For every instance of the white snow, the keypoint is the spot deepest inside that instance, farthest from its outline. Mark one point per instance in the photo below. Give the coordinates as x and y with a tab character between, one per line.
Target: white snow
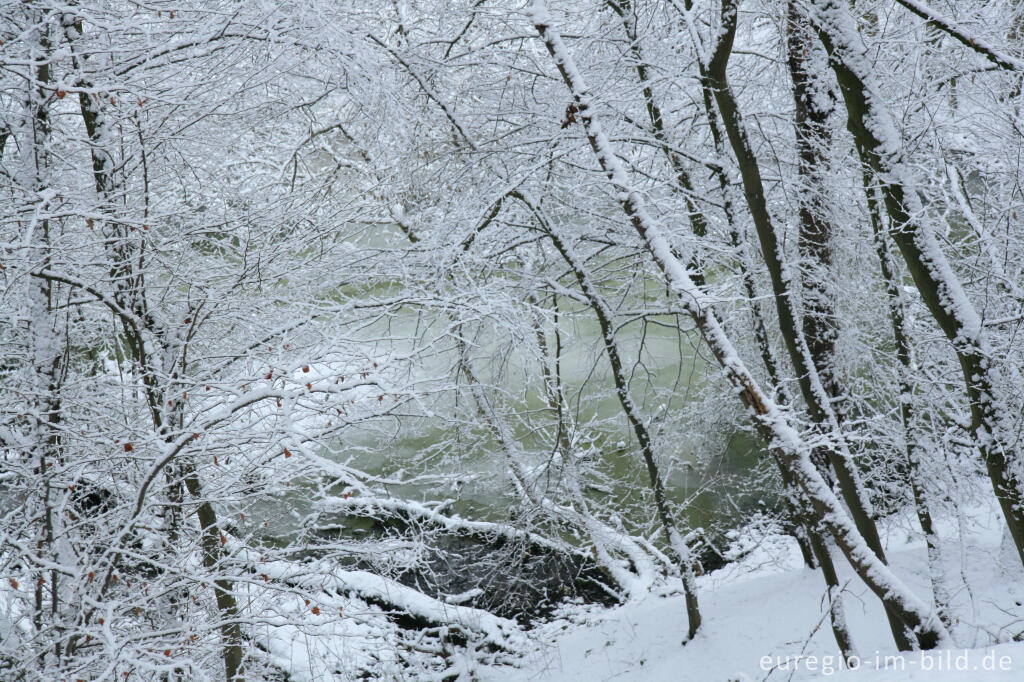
764	612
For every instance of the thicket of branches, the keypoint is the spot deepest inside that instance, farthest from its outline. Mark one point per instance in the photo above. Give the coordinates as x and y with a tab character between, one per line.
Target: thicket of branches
335	336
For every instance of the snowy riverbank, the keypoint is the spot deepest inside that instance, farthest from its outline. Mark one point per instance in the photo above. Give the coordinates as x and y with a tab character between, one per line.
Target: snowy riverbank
765	611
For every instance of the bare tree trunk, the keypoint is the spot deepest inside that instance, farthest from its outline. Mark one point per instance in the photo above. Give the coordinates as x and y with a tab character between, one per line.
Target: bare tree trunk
911	437
881	151
600	534
773	425
46	333
820	323
603	312
699	227
126	258
812	546
817	398
698	224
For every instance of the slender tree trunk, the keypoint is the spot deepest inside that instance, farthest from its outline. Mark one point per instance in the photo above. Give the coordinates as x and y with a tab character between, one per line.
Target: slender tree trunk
600	534
47	334
773	425
836	610
210	543
817	398
699	227
698	224
811	388
881	152
812	547
604	319
820	323
805	532
126	258
912	438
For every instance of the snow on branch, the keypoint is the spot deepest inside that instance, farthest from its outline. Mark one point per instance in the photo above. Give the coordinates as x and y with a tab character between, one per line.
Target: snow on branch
773	423
1000	59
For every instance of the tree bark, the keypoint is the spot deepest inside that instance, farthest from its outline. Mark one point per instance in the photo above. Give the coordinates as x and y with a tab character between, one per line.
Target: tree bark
820	323
771	423
604	319
812	387
47	336
699	228
911	437
126	257
881	151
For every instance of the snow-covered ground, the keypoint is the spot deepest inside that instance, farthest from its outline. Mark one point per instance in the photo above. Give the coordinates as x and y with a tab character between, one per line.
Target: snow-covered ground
764	612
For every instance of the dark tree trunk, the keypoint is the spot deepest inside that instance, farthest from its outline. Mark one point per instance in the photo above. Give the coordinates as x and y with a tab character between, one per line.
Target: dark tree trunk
772	425
911	438
604	318
126	257
811	385
820	323
940	289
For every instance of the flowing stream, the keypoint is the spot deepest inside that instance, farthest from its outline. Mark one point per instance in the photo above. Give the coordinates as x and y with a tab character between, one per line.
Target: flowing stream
710	473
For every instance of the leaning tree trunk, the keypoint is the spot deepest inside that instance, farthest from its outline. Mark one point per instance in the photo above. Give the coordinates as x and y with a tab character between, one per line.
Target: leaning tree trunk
601	534
817	398
605	320
699	228
773	425
912	438
882	152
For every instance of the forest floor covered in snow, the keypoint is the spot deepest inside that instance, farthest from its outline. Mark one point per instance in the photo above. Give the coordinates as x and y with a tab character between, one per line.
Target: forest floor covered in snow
764	611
